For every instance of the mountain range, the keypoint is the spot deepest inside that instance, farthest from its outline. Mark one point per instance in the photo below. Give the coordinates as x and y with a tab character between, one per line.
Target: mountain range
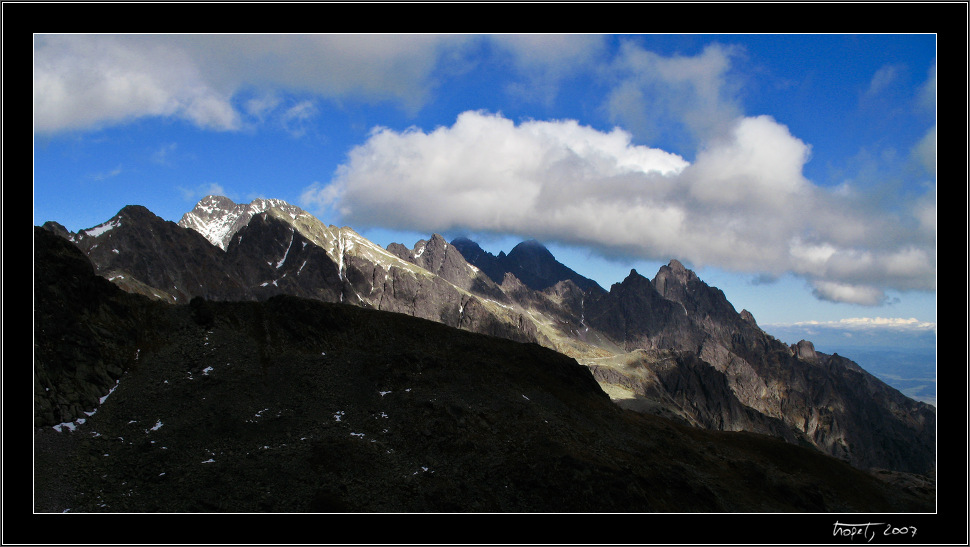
671	348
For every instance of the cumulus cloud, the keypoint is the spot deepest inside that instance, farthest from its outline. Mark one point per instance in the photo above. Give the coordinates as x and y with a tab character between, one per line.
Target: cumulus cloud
90	81
742	205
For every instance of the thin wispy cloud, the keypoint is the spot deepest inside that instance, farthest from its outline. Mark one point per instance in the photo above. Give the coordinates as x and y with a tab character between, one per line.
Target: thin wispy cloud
900	323
296	119
654	93
193	195
163	154
882	79
105	175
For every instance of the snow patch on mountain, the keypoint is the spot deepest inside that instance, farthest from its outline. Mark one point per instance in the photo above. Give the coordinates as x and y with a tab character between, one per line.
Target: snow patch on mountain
102	228
218	218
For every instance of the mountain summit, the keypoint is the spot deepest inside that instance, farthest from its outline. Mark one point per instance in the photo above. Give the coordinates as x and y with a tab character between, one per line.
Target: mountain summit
217	218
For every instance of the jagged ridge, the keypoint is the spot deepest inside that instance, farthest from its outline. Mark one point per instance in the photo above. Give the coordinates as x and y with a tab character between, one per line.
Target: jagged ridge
297	405
282	251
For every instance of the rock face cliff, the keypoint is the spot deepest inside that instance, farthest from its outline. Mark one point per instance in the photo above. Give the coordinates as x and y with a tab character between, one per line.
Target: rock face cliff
291	404
672	346
826	400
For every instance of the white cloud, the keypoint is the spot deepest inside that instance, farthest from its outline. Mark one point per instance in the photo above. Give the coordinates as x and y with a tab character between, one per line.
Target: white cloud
558	53
743	205
852	294
90	81
761	165
897	333
887	322
82	82
860	323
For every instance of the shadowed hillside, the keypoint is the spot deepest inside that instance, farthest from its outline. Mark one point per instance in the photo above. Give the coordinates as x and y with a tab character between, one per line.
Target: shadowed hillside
296	405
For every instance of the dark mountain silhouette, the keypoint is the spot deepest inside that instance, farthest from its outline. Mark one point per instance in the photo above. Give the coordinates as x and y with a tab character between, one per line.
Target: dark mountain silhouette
529	261
292	404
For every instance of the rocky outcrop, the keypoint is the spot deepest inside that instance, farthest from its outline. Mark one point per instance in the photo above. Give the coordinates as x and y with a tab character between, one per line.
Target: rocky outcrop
805	350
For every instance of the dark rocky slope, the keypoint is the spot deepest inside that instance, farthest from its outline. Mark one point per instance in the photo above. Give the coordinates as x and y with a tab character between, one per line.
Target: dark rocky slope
296	405
826	399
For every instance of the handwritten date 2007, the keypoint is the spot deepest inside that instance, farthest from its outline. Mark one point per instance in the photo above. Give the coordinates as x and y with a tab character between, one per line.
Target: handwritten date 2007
868	530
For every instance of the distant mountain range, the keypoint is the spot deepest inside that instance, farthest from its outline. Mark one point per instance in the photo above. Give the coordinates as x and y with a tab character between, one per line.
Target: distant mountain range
670	346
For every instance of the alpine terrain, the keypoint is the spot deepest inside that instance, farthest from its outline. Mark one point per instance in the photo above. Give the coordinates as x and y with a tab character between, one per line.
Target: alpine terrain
252	358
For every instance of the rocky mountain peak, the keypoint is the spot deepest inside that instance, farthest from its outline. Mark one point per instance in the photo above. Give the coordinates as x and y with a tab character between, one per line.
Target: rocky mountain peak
218	218
531	249
634	277
672	279
746	315
511	284
135	212
57	228
212	203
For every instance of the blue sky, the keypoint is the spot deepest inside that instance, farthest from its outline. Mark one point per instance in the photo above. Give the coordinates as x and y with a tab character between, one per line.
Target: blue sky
795	172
